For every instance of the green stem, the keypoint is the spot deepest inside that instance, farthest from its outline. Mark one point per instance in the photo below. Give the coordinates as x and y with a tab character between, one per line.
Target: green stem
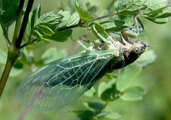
5	75
9	62
13	52
30	42
18	21
24	23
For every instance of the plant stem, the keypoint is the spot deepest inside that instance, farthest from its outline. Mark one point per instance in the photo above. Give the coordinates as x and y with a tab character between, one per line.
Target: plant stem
13	49
24	23
18	21
5	75
30	42
9	62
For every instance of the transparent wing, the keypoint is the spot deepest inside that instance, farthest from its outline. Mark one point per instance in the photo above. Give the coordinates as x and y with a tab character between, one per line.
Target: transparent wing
61	82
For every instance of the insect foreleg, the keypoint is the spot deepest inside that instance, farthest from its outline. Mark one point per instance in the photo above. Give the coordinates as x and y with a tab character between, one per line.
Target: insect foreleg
138	25
124	40
100	36
80	42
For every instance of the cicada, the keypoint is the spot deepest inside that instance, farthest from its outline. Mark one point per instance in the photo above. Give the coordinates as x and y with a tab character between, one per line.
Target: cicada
63	81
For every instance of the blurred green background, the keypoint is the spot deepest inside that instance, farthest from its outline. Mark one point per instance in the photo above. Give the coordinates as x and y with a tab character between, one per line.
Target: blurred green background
156	105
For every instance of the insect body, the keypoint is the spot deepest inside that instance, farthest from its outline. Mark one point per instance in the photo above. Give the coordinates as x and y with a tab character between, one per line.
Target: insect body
63	81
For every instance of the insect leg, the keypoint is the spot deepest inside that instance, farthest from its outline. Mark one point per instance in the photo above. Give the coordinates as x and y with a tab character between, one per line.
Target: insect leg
124	40
138	25
100	36
80	42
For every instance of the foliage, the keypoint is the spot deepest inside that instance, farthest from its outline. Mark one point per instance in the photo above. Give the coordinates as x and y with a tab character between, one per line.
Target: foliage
8	11
59	26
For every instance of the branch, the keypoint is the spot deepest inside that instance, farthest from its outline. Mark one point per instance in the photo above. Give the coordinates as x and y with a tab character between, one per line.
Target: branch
18	21
14	47
30	42
5	75
24	23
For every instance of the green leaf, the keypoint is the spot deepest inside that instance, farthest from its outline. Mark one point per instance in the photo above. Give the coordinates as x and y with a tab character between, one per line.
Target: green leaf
155	4
45	30
3	57
128	7
108	92
8	11
60	36
151	9
84	115
158	20
18	64
44	25
147	58
52	54
83	13
94	106
157	11
118	24
68	19
166	12
37	34
91	9
159	15
65	20
74	19
133	94
101	115
33	17
113	116
91	92
49	18
48	24
103	87
127	76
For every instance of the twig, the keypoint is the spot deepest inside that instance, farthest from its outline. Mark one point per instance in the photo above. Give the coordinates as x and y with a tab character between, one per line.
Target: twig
14	47
29	43
24	23
18	21
9	63
5	75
